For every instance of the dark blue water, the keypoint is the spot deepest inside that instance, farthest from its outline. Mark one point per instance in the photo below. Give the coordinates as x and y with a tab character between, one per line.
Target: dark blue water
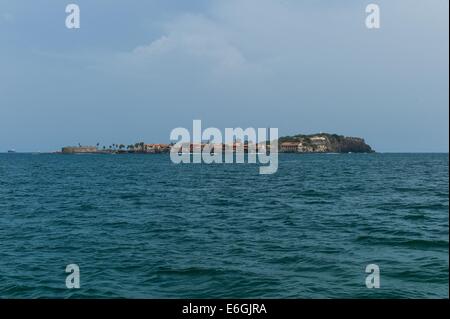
139	226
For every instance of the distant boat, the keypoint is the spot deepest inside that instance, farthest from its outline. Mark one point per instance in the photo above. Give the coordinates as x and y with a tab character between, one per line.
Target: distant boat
11	151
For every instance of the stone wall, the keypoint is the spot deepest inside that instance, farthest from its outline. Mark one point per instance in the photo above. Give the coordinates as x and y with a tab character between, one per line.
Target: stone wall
78	149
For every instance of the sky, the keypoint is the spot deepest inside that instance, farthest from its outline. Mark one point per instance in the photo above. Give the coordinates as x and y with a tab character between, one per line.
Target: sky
137	69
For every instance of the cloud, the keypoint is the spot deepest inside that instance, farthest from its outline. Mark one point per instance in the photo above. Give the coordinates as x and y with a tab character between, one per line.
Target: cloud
243	39
234	38
196	37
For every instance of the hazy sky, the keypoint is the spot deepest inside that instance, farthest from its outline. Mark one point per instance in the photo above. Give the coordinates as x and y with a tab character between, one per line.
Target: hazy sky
137	69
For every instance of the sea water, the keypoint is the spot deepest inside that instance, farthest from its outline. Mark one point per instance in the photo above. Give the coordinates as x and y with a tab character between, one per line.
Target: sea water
139	226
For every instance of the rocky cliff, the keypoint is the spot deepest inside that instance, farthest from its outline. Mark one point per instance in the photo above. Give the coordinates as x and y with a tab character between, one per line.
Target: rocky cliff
323	143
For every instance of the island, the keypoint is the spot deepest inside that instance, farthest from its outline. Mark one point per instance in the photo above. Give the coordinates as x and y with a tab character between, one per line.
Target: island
300	143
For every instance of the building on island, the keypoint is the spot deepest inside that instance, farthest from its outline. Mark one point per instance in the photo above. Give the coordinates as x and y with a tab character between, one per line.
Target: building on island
289	147
156	148
314	144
